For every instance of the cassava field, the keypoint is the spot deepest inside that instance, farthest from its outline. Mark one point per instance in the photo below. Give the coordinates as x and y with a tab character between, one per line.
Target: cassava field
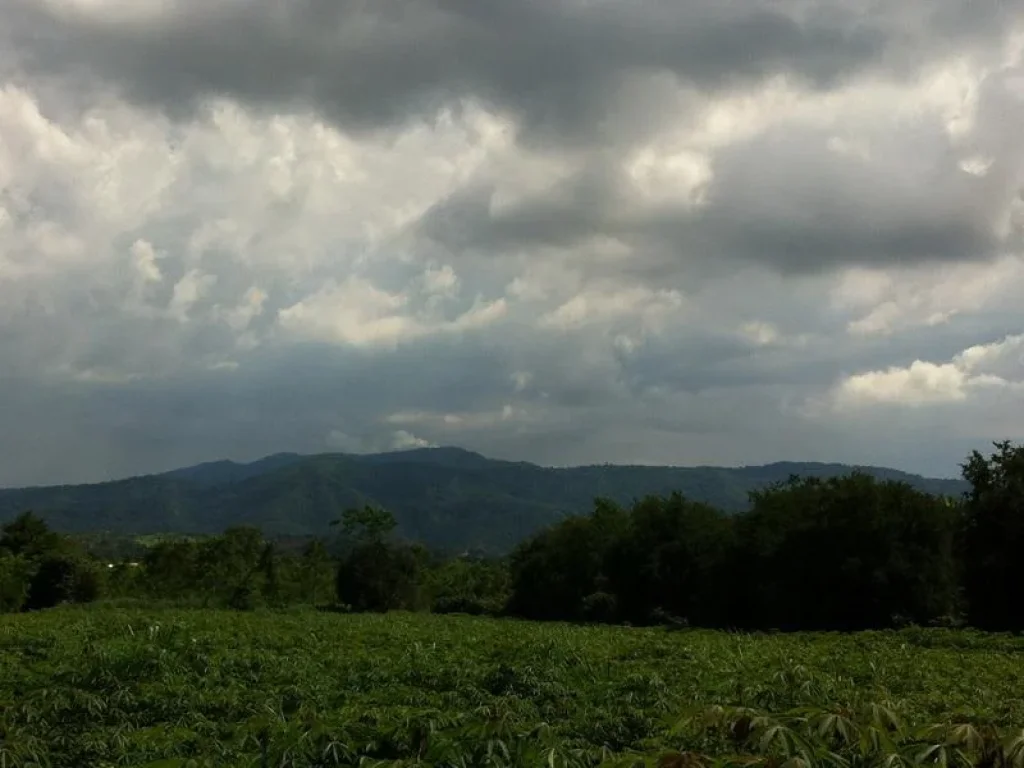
104	686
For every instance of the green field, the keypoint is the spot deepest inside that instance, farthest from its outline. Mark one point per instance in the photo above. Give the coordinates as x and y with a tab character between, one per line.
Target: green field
100	685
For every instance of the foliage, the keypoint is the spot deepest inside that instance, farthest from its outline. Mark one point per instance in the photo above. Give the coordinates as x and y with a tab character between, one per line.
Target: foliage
994	537
315	573
40	569
15	576
367	524
62	579
239	569
554	572
881	553
672	559
377	576
103	686
29	536
467	585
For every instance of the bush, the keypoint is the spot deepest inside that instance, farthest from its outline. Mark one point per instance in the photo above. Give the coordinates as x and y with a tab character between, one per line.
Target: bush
63	579
601	607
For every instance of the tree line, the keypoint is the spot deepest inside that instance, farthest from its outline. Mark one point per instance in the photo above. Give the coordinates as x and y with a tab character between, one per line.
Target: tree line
841	553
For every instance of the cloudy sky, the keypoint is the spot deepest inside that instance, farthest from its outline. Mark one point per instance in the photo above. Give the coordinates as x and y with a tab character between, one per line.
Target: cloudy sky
565	231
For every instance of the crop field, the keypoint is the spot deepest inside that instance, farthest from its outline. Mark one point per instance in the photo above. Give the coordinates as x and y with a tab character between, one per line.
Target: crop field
103	686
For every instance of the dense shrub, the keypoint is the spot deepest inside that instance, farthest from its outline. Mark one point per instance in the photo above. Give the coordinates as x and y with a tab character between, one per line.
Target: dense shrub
63	579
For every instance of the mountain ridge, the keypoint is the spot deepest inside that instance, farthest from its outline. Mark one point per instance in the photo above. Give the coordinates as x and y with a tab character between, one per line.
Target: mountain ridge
447	497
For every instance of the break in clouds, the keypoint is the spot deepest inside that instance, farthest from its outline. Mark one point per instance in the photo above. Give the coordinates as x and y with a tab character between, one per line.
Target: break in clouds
564	231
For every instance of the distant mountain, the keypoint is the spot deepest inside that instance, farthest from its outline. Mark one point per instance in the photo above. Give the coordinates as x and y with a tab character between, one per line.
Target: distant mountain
225	472
445	497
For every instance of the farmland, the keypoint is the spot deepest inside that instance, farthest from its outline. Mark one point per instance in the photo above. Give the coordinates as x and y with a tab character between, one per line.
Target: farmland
104	685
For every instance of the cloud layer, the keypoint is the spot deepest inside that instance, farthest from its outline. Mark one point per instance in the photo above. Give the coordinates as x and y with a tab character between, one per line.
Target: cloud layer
564	231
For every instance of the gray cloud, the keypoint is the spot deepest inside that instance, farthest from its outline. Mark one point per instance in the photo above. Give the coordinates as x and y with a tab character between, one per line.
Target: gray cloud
557	231
555	64
783	198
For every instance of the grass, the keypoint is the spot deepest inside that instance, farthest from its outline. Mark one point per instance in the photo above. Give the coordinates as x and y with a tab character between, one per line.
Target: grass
106	685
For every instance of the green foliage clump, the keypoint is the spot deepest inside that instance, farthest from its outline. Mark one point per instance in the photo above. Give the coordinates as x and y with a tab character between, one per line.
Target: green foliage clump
468	585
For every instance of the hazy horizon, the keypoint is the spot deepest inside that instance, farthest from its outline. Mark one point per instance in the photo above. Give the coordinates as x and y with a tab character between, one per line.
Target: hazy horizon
246	461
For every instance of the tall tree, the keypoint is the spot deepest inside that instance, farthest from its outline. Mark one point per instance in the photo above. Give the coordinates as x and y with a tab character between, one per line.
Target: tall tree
994	537
377	574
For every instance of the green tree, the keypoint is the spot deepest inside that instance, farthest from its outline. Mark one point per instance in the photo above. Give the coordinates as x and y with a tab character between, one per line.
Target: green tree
367	523
170	570
845	553
377	574
994	537
56	571
29	536
554	573
467	585
670	560
229	567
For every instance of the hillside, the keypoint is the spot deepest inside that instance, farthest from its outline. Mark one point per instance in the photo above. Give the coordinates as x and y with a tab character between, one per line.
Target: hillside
445	497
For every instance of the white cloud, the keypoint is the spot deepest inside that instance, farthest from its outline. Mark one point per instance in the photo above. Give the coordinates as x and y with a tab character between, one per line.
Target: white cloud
437	422
890	301
189	290
402	441
609	304
352	312
920	383
994	365
759	332
358	313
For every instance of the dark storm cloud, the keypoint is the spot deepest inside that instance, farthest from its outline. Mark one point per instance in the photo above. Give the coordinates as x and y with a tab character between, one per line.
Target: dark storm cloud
784	198
555	63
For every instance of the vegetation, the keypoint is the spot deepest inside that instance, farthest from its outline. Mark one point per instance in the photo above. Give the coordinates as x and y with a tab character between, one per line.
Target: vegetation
105	686
155	677
40	569
882	554
446	498
994	533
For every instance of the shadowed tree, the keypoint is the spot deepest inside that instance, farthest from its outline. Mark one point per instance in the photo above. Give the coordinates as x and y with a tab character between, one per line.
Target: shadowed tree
376	574
994	538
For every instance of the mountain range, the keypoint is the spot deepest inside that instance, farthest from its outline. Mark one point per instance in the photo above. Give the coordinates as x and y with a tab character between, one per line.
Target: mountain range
448	498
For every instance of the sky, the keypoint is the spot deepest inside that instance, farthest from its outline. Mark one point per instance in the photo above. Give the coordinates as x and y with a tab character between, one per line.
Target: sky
561	231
